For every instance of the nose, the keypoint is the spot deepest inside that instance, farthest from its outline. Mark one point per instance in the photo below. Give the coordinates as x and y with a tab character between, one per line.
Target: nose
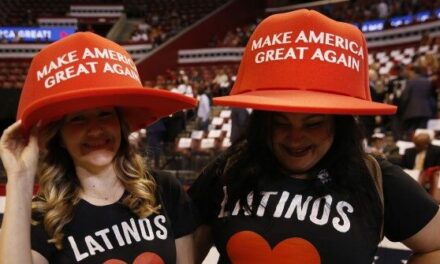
295	134
94	128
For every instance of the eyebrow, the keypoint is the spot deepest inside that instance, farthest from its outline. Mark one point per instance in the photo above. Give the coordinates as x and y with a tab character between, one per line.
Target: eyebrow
280	115
314	116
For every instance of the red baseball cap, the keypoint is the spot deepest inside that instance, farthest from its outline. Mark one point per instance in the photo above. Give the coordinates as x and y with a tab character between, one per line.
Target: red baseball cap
303	61
84	71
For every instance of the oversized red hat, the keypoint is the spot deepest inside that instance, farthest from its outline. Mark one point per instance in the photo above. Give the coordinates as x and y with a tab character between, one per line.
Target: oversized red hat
303	61
85	71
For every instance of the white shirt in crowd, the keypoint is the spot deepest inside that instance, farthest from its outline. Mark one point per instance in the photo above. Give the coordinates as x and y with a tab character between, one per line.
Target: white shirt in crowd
204	108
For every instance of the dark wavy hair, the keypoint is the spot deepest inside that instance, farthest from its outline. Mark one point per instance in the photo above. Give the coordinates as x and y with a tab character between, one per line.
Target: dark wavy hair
251	165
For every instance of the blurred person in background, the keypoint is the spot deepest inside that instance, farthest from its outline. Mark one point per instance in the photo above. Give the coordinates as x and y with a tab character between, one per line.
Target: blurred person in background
416	101
423	155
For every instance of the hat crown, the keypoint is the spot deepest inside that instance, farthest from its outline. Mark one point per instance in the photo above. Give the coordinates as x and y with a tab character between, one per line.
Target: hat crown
78	62
84	71
305	50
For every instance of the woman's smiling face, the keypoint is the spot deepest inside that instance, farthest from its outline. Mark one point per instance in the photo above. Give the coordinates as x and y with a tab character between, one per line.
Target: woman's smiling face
300	141
92	137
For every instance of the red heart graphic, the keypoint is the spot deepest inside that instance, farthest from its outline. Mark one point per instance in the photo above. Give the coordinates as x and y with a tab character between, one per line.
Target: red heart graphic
249	247
114	261
148	258
144	258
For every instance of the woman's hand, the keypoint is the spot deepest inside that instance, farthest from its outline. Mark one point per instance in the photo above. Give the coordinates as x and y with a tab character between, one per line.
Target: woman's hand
19	153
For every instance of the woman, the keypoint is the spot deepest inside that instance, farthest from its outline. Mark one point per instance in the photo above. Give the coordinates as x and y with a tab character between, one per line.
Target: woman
97	202
296	188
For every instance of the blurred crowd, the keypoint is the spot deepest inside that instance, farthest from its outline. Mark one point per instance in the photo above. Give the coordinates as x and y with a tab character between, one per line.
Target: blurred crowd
161	20
413	87
356	12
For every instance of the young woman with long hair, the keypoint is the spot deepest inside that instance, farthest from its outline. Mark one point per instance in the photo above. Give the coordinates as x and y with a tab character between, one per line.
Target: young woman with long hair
97	201
298	186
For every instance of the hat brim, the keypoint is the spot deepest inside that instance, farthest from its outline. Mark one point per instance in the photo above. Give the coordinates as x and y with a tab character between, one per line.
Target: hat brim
140	106
303	101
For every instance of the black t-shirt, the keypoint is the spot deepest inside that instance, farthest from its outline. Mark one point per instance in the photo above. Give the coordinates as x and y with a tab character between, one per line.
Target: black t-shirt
293	224
112	234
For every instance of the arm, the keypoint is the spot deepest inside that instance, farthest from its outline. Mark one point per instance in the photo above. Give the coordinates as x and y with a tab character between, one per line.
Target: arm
20	157
426	243
37	258
185	250
177	205
202	242
207	194
436	188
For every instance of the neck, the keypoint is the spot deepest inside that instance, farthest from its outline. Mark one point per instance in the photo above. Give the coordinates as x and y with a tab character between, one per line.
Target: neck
99	188
296	174
302	176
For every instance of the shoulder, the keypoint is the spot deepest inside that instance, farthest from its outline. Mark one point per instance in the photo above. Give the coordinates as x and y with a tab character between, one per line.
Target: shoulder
409	151
176	203
390	169
215	169
211	176
397	182
205	98
211	179
165	181
434	148
394	175
408	207
169	190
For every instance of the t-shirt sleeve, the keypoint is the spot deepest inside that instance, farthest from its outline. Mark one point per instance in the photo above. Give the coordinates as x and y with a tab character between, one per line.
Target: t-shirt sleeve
207	191
178	205
408	207
39	239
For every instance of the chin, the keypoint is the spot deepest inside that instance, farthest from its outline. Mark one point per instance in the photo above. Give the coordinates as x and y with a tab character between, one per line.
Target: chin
102	162
297	169
100	159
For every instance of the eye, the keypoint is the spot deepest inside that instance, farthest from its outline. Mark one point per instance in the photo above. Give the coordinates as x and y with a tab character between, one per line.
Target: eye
76	119
106	114
314	124
280	123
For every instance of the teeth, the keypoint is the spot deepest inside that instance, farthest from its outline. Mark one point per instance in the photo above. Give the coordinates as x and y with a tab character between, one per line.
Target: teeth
297	151
96	143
